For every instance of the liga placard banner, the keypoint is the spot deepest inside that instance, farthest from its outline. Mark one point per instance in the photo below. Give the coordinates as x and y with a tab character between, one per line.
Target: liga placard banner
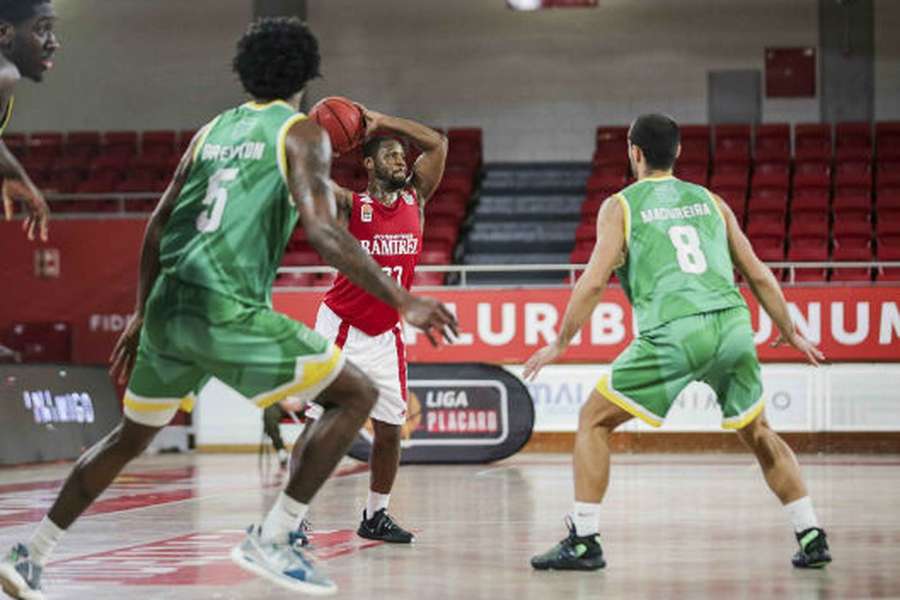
850	324
460	413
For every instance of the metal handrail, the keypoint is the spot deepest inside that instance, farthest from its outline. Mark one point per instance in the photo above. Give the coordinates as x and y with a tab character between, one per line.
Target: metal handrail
571	270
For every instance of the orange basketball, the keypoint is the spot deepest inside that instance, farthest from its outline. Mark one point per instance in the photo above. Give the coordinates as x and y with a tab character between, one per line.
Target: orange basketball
343	121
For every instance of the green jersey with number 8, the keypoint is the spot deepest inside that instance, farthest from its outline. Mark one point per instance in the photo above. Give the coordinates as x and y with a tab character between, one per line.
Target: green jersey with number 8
678	261
234	217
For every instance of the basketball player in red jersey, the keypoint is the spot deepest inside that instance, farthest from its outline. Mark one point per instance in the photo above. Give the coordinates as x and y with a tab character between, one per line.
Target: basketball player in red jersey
387	219
27	46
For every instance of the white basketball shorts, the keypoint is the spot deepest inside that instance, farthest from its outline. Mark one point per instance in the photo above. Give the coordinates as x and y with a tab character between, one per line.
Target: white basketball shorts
381	357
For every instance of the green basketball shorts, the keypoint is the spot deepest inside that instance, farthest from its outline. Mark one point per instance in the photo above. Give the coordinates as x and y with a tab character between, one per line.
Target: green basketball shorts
191	334
715	347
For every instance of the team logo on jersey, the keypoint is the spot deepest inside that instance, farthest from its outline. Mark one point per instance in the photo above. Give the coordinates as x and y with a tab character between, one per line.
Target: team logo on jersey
408	198
365	213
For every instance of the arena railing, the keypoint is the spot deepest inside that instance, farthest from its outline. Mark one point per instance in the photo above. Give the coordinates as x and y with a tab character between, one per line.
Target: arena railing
568	273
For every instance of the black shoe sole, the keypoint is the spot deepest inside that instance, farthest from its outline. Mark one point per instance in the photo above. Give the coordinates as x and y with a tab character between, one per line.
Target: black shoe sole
816	565
371	536
581	565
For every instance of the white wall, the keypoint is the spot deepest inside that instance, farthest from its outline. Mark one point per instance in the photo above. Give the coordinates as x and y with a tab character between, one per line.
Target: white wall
887	60
541	82
537	82
137	64
835	397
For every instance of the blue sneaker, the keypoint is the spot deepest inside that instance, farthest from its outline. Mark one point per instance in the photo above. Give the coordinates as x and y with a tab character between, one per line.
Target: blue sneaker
285	564
20	577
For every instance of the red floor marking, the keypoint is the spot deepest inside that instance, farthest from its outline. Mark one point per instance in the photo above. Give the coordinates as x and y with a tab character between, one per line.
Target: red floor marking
101	507
188	560
22	503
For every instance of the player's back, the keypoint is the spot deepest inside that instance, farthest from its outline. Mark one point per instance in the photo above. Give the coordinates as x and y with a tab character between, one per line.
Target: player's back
678	261
233	218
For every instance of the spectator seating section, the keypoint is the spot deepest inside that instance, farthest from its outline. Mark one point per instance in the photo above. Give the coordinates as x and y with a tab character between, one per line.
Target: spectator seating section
827	193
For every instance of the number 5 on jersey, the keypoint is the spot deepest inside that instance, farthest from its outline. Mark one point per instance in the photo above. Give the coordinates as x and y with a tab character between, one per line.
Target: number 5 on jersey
216	198
687	246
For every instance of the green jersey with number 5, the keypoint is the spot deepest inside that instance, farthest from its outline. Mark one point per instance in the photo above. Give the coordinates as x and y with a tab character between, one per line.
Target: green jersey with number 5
678	261
234	217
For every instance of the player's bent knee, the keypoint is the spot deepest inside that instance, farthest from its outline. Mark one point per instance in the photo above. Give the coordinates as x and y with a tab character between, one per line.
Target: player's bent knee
354	387
600	412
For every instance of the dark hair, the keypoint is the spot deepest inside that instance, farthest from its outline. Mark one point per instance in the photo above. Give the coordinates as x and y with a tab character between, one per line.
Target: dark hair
658	137
373	145
16	11
276	57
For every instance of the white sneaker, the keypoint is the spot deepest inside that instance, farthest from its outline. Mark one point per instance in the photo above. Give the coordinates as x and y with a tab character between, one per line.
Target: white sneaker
285	564
20	577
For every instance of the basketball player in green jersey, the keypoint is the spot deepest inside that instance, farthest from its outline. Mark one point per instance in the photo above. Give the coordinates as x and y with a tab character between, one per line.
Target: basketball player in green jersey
27	46
673	245
204	306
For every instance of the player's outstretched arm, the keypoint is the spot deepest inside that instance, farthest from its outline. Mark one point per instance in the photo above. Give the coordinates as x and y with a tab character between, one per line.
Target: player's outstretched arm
309	162
125	351
764	286
429	167
607	255
17	186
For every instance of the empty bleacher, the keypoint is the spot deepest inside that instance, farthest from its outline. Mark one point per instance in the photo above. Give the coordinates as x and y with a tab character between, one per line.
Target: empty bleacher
827	194
527	214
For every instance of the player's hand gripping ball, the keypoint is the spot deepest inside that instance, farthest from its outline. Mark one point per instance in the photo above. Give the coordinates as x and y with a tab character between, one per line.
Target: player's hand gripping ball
343	120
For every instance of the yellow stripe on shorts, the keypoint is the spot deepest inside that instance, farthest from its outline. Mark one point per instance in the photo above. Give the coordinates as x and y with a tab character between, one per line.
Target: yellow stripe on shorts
605	389
314	372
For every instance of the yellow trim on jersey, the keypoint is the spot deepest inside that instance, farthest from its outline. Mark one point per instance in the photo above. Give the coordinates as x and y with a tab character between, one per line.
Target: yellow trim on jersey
742	420
281	148
316	374
8	116
718	208
605	389
659	178
626	212
253	105
201	139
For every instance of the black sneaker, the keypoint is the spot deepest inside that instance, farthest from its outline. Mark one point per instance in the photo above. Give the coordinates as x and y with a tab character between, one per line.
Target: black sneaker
575	553
813	553
382	527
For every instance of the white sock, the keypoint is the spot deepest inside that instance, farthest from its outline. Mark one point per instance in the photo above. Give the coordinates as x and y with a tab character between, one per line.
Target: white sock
586	517
44	540
376	502
802	514
284	518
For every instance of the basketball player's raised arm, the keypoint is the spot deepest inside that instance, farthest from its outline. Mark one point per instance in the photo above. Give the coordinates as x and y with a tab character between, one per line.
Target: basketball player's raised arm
309	161
125	351
343	199
429	167
607	255
764	286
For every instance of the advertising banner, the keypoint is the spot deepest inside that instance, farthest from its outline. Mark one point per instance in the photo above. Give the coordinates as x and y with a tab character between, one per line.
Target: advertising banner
53	412
850	324
460	413
560	391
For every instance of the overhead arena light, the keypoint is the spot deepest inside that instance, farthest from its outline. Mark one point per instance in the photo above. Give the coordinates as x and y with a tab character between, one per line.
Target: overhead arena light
542	4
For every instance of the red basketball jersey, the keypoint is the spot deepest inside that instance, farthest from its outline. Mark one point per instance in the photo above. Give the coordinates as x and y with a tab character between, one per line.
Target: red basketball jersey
392	236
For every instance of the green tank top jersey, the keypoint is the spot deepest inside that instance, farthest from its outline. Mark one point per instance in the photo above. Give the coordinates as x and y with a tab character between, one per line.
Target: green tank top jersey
233	218
678	262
